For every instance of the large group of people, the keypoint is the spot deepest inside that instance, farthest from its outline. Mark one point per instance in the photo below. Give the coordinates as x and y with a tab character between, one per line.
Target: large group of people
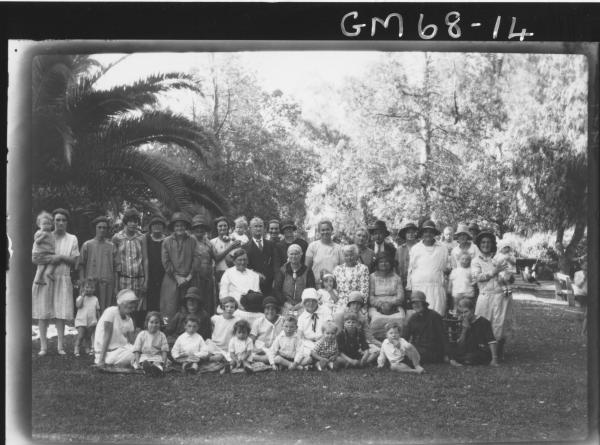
259	297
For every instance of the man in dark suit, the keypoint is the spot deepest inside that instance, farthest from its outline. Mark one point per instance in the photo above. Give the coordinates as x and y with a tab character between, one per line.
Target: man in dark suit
262	256
379	233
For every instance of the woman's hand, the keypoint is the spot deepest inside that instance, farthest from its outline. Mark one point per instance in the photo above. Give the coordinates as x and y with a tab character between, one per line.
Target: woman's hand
180	280
55	259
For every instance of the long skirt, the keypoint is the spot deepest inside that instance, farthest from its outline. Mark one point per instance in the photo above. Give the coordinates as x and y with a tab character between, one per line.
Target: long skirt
498	309
122	356
53	300
171	296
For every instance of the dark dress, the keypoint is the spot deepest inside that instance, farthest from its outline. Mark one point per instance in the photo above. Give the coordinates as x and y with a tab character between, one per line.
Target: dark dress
155	272
425	331
282	247
474	348
352	344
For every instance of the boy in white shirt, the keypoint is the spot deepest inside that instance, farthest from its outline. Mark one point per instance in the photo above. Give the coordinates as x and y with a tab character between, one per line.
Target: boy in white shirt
189	348
286	350
401	355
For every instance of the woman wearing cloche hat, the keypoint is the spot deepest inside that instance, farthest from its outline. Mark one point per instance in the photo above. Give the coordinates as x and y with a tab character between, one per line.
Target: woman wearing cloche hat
428	262
180	258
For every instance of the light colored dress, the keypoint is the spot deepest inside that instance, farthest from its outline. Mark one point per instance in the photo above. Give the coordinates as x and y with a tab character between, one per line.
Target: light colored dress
426	274
355	278
151	346
457	251
385	289
235	283
119	351
98	259
86	314
492	302
55	299
324	257
220	246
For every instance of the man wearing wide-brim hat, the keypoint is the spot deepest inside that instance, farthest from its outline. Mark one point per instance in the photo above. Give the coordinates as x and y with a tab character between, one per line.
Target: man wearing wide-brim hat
428	263
288	230
131	262
465	245
379	233
180	257
408	232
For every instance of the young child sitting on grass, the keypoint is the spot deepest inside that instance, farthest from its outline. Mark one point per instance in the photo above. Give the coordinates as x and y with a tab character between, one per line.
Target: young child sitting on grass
222	332
352	343
88	313
266	329
150	348
311	321
286	350
461	281
189	348
400	354
43	248
326	353
240	348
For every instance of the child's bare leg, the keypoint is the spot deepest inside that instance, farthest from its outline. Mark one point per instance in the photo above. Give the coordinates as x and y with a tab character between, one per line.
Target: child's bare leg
43	327
218	357
371	357
91	333
79	339
263	358
279	360
49	273
39	275
403	367
305	361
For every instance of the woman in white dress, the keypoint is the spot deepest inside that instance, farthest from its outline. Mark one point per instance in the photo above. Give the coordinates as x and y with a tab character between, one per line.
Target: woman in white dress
54	300
492	304
237	281
427	264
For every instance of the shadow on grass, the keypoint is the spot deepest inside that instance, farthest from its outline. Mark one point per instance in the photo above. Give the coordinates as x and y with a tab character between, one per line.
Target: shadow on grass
538	393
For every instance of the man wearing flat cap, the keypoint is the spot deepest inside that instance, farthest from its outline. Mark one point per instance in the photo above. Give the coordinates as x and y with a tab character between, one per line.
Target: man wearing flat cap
288	230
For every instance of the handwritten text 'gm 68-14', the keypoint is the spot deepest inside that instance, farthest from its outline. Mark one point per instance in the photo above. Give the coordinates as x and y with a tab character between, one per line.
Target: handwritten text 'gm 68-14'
352	26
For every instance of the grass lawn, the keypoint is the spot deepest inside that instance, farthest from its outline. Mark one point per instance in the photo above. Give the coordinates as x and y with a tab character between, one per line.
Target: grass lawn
539	393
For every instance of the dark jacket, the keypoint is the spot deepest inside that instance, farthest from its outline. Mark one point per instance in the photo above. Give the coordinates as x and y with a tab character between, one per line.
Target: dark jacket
425	331
282	248
387	248
286	289
263	261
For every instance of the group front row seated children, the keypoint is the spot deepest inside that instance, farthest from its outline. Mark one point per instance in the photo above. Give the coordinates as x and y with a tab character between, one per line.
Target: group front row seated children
150	348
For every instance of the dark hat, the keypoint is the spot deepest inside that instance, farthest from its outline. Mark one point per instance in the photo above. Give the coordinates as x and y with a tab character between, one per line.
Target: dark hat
379	225
405	228
270	301
429	225
193	293
131	213
200	220
252	301
462	229
417	295
474	226
287	223
62	211
157	219
180	216
100	219
485	233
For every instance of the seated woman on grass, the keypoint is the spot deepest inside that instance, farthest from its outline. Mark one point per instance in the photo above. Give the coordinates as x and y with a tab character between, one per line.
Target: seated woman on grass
115	332
476	344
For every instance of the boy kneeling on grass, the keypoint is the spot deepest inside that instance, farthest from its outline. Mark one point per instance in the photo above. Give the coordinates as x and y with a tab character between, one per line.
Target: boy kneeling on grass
401	355
286	350
355	352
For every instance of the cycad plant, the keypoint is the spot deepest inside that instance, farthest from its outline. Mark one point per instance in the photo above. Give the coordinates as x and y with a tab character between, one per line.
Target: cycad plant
88	143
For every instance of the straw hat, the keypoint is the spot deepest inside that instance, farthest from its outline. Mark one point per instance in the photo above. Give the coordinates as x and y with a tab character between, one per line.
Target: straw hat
462	229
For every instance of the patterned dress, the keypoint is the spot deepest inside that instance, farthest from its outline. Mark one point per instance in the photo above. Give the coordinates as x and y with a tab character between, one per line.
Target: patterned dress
351	278
55	299
130	263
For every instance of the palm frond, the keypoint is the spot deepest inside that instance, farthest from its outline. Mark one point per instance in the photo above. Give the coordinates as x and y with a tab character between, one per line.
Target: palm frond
159	126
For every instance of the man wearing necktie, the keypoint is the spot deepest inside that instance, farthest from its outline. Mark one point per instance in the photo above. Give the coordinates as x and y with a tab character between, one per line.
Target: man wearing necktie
262	256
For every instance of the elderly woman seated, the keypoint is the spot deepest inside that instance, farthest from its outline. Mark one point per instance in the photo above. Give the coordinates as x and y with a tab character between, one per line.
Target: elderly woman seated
386	295
115	333
291	279
352	275
238	281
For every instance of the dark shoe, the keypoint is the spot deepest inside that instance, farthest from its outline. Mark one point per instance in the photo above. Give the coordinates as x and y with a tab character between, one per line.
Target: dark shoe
248	369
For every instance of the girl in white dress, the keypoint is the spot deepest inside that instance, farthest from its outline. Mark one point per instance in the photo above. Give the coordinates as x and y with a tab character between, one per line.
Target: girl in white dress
88	313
